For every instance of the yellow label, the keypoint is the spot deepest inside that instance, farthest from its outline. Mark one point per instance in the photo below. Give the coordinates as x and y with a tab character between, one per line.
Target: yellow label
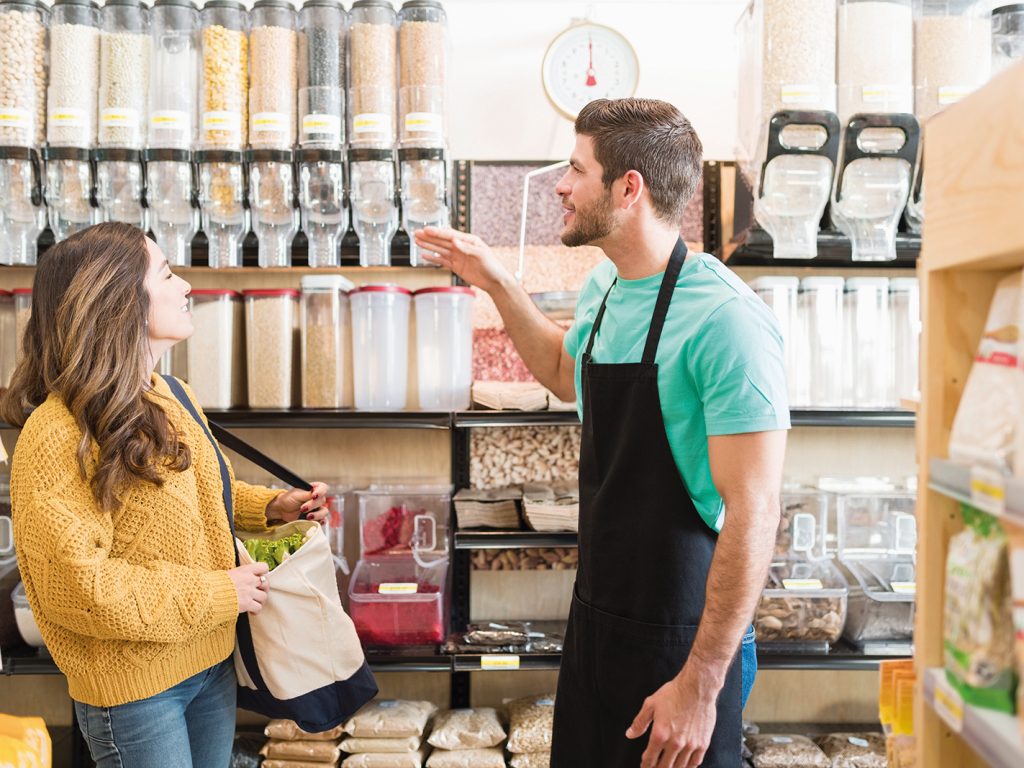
951	94
790	94
876	93
950	705
398	589
370	121
802	584
499	661
988	490
904	587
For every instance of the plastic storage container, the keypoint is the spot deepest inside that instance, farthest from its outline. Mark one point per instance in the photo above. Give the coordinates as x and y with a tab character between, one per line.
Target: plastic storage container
322	29
23	52
905	320
224	85
952	52
444	347
875	57
125	60
868	365
374	72
22	312
404	520
326	342
27	626
271	325
273	77
424	174
820	304
803	608
1007	36
380	346
275	219
803	525
174	74
395	602
74	74
216	355
7	337
422	52
780	293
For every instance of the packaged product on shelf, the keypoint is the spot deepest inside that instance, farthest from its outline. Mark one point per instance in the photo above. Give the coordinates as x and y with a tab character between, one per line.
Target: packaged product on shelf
531	719
803	606
985	427
510	395
289	730
495	633
1015	537
355	745
531	760
494	508
854	750
405	760
390	719
554	507
467	758
467	729
887	671
979	636
310	751
786	751
504	457
295	764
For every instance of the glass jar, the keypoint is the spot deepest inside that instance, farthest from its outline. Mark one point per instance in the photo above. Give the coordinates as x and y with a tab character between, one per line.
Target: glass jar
820	303
23	52
224	83
444	347
125	59
380	346
22	313
423	45
1007	36
326	342
780	294
374	71
272	75
174	75
216	355
876	62
952	52
74	74
271	323
867	381
323	25
905	317
7	337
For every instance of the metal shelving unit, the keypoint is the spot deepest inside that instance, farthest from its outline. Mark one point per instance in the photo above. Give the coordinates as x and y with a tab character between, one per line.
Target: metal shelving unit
299	418
513	540
833	252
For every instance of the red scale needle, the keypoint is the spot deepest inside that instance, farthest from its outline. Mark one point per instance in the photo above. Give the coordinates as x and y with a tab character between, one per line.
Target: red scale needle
591	79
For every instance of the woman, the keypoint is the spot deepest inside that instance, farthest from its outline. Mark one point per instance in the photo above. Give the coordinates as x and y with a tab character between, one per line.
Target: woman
121	528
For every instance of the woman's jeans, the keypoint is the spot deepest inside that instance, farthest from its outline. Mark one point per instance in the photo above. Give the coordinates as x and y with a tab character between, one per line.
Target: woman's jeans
748	663
191	725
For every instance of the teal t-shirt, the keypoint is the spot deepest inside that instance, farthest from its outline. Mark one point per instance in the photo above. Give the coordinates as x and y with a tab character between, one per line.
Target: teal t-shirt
721	367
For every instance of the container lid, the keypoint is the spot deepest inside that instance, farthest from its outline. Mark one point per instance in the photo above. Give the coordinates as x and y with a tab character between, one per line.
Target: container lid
129	3
876	524
81	154
901	284
822	281
75	2
213	292
422	4
319	155
774	281
5	293
118	155
327	283
180	3
463	289
21	291
1012	8
806	578
232	4
373	4
323	4
220	155
164	155
853	283
269	155
271	292
384	288
802	530
273	4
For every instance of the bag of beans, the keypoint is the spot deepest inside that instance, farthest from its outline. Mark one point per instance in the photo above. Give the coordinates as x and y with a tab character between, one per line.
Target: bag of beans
786	751
303	751
467	729
854	750
530	722
467	758
390	719
531	760
355	745
288	730
396	760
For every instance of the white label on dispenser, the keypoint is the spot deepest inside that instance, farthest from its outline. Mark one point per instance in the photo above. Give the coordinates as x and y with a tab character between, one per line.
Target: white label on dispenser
68	117
951	94
499	661
118	117
370	122
229	122
876	94
423	122
799	93
15	117
267	122
398	589
904	587
322	124
170	120
802	584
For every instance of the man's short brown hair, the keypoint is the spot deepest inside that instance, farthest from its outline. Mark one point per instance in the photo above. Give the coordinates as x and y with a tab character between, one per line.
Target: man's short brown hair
651	137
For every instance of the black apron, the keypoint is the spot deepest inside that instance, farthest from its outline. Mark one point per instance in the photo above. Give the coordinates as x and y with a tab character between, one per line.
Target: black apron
645	553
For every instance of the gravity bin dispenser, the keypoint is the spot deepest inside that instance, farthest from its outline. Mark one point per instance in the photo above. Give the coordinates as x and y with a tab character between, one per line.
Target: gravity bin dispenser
796	180
22	213
374	203
272	204
873	182
222	192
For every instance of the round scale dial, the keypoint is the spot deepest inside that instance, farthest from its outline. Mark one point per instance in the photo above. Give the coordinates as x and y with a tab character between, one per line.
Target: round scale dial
588	61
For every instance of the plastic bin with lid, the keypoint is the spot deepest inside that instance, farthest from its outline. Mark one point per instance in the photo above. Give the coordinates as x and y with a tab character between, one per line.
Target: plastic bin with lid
780	293
394	601
905	323
326	342
802	527
820	305
215	351
271	323
26	622
444	347
380	346
404	520
803	607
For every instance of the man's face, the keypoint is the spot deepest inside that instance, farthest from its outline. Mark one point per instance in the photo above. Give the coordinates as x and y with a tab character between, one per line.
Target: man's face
587	211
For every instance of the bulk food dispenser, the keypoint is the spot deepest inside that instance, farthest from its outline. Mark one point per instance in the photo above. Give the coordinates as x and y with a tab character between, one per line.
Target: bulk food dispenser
272	104
322	202
22	124
371	158
1007	36
423	52
125	60
223	129
173	107
71	116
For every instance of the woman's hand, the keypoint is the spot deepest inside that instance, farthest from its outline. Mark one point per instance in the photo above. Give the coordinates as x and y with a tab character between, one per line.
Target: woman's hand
297	504
251	586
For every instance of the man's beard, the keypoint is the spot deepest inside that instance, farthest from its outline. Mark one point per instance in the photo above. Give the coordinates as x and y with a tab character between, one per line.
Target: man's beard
590	224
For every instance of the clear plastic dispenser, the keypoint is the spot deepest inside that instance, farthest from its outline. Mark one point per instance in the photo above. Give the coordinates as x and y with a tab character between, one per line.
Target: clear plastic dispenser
424	173
796	180
222	191
22	213
872	186
374	203
275	218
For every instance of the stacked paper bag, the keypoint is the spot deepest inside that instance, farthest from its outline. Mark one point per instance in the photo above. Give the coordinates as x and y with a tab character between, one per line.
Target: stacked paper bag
387	734
291	747
510	395
552	507
496	508
467	738
529	734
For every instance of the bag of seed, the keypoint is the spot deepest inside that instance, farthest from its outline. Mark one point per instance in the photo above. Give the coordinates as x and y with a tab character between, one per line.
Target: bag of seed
467	758
786	751
467	729
396	760
288	730
355	745
854	750
303	751
530	722
390	719
531	760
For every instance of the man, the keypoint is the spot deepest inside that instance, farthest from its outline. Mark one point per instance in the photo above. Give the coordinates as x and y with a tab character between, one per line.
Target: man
678	370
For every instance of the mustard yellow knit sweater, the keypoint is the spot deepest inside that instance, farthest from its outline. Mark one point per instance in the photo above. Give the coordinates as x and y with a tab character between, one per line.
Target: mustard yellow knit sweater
134	602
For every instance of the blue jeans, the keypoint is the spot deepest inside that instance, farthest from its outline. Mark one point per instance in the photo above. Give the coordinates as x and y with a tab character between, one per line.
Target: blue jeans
191	725
748	663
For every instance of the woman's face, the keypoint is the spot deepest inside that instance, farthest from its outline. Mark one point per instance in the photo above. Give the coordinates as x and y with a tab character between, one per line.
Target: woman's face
169	318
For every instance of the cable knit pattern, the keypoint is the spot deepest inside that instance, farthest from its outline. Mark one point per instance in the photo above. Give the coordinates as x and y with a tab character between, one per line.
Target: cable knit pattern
134	602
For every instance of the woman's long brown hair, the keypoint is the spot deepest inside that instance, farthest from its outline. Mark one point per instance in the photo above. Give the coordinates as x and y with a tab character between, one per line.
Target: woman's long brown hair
86	342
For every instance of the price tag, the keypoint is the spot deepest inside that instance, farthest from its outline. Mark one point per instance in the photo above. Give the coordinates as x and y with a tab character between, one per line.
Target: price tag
398	589
949	704
68	117
904	587
320	123
423	122
877	94
802	584
799	93
370	122
228	122
988	490
270	122
14	117
119	118
499	661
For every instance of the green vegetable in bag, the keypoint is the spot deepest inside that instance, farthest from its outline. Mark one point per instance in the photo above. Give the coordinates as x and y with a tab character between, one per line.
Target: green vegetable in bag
274	552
